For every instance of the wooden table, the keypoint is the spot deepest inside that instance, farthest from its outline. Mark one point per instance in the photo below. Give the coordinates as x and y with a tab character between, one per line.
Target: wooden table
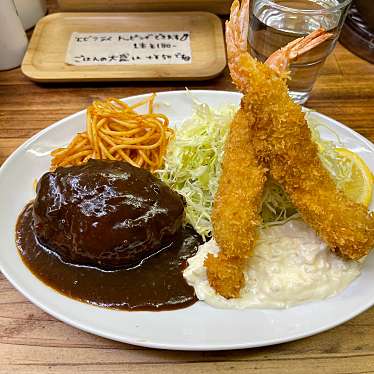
31	341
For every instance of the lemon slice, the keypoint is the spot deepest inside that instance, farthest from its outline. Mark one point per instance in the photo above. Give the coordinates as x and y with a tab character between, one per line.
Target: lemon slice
360	187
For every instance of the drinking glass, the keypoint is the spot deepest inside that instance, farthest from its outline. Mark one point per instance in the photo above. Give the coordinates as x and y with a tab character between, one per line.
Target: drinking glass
275	23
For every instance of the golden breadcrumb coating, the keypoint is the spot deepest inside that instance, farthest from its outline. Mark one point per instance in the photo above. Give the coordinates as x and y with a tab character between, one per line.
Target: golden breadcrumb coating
236	210
270	132
282	142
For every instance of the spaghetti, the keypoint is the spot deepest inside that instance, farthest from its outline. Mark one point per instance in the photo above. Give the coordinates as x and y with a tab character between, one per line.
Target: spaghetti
115	131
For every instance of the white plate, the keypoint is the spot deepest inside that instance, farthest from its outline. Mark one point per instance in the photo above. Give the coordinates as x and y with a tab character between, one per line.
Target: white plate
199	327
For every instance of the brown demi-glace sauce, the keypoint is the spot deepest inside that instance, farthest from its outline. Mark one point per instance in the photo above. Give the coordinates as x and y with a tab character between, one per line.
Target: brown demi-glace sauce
156	284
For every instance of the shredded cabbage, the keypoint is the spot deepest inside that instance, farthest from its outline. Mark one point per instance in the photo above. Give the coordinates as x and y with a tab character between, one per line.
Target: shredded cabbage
339	167
193	166
193	162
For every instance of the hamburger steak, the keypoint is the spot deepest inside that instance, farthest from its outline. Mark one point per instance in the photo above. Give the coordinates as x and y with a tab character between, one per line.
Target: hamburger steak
106	214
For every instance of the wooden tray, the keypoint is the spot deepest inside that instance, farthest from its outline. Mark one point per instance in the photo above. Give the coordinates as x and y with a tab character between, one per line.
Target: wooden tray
45	58
214	6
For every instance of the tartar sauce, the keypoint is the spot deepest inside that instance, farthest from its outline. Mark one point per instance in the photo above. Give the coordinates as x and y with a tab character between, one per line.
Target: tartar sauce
289	265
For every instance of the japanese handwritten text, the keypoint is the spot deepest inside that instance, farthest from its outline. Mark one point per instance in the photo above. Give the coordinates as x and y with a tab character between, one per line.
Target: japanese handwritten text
169	47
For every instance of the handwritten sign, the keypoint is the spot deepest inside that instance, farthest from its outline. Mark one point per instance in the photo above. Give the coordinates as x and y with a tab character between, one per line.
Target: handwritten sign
129	48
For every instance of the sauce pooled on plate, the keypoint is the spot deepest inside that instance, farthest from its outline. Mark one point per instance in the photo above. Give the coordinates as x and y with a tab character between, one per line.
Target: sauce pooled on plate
109	234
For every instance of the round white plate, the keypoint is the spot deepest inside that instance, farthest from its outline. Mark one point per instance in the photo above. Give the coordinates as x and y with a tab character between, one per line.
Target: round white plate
199	327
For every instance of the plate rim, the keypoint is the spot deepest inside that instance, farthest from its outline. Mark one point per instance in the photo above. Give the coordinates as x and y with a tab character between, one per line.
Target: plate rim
181	347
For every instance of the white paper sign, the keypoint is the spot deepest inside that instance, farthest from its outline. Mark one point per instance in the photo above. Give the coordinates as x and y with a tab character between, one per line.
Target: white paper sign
129	48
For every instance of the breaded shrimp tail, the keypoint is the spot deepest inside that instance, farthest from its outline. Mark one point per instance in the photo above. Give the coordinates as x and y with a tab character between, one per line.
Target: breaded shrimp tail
236	210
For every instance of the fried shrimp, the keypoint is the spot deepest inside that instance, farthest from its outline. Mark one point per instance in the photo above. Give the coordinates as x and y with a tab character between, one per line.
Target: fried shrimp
237	203
236	210
282	141
277	139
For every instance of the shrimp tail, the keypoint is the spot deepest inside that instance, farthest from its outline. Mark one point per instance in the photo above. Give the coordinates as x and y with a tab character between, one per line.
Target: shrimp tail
236	42
279	61
240	61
